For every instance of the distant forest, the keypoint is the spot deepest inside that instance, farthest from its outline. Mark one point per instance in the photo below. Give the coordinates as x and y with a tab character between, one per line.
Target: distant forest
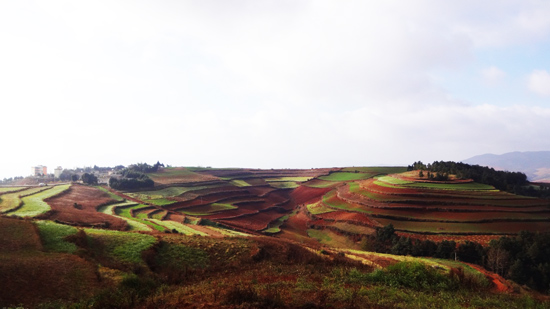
135	177
513	182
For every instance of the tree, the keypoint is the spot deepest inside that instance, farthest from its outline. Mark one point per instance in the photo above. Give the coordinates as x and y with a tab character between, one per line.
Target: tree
89	179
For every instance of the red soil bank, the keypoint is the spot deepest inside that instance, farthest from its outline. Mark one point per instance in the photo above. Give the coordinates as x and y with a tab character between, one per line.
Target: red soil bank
85	213
303	194
481	239
347	216
255	222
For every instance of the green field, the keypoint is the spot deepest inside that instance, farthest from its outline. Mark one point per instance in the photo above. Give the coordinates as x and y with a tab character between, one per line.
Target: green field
34	205
393	182
227	232
159	197
181	228
239	183
284	179
331	200
111	194
123	246
133	224
318	183
124	211
158	214
284	184
9	189
203	210
470	228
275	226
53	236
332	239
377	169
319	208
10	201
347	176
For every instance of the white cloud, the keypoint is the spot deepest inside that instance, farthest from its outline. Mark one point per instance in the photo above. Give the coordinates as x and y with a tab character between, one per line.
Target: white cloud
260	84
492	75
539	82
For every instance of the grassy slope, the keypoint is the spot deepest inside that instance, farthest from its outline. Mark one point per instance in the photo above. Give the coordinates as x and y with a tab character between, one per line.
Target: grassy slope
10	201
34	205
347	176
125	211
134	225
234	272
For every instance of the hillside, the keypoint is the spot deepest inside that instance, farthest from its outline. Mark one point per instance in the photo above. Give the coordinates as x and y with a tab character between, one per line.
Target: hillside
535	164
249	238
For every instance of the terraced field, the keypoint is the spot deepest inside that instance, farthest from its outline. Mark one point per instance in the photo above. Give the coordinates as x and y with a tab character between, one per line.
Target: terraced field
445	208
347	201
33	204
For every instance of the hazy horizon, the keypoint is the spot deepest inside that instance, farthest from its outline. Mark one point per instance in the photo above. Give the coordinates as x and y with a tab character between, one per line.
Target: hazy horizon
274	84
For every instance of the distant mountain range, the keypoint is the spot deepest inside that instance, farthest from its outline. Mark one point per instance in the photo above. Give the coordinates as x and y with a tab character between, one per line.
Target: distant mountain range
535	164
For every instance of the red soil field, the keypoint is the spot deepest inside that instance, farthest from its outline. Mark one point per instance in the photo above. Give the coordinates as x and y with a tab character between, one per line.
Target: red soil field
27	271
255	222
214	190
347	216
306	195
481	239
145	210
256	182
18	235
261	173
229	214
207	199
295	229
175	217
85	214
179	175
510	203
413	176
259	190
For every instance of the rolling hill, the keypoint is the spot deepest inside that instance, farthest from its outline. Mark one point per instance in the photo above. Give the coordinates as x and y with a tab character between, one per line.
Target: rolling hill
249	238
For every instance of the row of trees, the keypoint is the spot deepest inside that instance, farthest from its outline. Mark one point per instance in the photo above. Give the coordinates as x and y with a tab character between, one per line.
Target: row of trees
523	259
135	177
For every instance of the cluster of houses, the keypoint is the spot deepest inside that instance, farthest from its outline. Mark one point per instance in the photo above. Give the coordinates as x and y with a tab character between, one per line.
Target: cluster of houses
102	173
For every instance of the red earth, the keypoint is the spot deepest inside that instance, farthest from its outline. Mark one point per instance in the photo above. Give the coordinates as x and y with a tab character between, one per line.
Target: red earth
306	195
255	222
85	213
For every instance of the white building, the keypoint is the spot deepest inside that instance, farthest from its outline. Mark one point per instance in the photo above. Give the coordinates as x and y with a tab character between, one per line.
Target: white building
57	171
39	170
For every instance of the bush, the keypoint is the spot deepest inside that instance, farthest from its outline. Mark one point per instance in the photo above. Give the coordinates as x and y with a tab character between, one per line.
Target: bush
412	275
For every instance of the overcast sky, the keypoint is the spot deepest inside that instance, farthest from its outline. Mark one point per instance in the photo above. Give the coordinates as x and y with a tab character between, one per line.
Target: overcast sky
264	84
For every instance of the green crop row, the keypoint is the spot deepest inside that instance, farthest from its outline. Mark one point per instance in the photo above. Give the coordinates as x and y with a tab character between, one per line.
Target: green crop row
53	236
34	205
125	211
347	176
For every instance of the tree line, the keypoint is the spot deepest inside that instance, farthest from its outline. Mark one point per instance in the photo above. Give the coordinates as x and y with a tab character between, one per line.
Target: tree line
513	182
135	177
522	258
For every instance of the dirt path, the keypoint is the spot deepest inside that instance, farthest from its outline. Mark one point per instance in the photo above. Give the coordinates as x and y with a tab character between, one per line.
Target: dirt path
500	285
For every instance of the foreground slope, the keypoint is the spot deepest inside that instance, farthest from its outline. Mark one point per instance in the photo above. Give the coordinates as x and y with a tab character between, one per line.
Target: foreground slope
113	269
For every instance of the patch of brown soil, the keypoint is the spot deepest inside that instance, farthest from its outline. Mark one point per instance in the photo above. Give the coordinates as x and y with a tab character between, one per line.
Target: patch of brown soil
303	194
78	206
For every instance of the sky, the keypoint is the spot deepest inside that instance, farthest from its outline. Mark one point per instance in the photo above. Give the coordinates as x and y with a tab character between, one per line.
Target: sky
270	84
